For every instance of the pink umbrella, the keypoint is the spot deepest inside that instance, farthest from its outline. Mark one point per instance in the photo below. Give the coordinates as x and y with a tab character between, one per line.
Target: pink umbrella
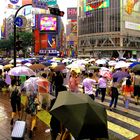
106	74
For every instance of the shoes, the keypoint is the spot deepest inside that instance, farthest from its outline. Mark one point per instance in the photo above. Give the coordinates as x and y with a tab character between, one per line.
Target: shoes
30	134
12	121
136	103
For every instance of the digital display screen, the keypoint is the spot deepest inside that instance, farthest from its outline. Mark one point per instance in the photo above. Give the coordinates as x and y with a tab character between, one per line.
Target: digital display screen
48	23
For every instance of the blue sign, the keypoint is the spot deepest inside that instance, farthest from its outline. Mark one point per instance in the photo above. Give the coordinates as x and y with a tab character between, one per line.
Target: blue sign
18	21
14	1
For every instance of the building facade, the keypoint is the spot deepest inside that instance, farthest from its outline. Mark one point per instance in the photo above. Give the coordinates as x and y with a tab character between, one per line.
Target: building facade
109	28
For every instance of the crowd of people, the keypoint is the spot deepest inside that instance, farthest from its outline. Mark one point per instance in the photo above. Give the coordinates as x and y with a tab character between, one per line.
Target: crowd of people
53	81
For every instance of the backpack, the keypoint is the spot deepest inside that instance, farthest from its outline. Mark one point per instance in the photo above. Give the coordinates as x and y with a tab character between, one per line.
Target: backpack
15	94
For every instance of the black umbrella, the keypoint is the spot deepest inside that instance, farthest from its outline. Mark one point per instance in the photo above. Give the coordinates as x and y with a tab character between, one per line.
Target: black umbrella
82	116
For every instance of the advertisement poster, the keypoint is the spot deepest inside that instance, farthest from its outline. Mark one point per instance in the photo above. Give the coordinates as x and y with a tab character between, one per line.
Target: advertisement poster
74	27
90	5
48	23
51	41
132	6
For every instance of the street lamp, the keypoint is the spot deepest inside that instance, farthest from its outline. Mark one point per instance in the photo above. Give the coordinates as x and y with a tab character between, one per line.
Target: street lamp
15	42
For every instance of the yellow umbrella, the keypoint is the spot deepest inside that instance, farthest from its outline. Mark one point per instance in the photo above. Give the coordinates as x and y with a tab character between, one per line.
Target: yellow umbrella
8	66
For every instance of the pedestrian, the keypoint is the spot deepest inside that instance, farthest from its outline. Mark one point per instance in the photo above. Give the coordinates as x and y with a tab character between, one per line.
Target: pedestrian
43	91
127	91
54	124
114	93
88	86
136	83
58	82
31	109
15	100
102	87
73	82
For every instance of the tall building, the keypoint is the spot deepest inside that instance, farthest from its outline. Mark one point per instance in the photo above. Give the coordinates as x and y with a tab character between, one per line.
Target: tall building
109	28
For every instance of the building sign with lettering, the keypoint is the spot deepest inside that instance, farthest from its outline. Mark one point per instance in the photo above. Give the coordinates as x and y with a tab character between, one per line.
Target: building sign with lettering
72	13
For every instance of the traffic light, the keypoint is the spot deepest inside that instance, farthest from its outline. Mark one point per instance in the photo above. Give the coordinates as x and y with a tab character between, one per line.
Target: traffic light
57	12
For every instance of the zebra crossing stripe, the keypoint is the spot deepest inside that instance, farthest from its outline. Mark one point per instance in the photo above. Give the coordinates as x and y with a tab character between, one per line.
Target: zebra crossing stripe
124	119
120	100
121	131
132	112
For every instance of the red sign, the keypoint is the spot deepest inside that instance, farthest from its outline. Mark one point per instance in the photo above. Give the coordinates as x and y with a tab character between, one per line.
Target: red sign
94	3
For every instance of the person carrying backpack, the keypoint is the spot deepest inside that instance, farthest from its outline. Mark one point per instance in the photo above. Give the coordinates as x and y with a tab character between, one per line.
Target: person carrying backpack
15	100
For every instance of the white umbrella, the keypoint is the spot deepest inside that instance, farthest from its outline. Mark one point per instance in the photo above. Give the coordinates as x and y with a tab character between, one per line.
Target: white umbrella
101	61
112	63
121	64
21	70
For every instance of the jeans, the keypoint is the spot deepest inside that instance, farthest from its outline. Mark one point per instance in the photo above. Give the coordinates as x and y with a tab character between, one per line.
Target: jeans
127	100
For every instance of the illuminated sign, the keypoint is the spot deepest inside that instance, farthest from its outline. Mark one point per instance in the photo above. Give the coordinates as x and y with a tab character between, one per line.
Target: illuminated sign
48	23
90	5
72	13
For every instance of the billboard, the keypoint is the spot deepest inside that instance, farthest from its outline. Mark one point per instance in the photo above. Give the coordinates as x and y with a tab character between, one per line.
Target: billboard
90	5
131	6
51	41
72	13
48	23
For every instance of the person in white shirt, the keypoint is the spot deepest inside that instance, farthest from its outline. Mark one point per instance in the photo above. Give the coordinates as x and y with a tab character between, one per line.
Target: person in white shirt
102	86
88	85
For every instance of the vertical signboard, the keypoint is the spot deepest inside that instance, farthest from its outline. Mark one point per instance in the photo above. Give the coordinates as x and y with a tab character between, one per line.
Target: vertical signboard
51	41
72	13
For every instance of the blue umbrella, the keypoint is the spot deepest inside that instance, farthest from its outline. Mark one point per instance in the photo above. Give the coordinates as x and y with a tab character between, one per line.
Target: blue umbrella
134	64
120	75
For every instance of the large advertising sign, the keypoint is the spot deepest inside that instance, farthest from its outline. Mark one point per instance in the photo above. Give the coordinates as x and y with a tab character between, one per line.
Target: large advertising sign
72	13
90	5
48	23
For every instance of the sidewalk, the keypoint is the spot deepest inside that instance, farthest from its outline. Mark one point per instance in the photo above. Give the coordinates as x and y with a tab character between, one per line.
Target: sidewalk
5	127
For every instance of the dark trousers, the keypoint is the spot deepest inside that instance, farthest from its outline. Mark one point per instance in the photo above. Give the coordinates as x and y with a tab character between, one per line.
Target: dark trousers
92	96
114	97
103	92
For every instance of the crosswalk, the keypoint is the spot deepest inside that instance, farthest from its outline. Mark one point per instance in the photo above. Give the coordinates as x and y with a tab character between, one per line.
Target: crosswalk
124	126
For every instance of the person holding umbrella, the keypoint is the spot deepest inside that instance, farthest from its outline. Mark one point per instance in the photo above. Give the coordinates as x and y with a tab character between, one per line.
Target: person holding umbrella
114	93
